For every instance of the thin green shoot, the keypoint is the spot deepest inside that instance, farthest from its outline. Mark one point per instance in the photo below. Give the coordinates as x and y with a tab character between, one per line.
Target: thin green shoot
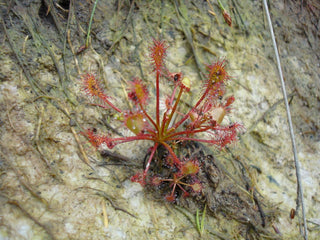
90	23
200	224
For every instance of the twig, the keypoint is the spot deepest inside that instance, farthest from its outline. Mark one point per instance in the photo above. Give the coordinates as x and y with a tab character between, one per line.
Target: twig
76	137
295	155
107	197
9	118
37	137
104	195
105	215
73	53
106	153
217	234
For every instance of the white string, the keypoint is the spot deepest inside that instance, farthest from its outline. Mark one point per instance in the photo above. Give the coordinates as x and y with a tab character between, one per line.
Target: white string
295	155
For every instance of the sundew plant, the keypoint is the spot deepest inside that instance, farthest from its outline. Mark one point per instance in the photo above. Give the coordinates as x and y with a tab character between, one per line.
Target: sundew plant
174	124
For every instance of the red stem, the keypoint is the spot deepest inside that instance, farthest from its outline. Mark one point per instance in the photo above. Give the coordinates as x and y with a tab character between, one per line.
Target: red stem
147	115
212	141
173	189
173	110
195	106
173	93
169	137
110	104
158	100
132	138
164	118
149	160
175	158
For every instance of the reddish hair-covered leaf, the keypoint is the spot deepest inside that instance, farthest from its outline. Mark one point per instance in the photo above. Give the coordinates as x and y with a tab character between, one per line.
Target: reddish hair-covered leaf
158	54
139	178
94	139
217	73
91	86
138	92
196	187
190	167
